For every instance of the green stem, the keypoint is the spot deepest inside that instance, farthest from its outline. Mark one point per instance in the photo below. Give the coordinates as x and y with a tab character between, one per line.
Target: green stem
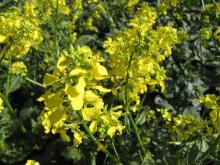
203	5
8	105
97	142
35	82
116	153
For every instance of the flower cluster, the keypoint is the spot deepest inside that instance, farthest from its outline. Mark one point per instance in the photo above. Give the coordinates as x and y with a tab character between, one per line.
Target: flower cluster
180	127
18	68
138	51
18	33
212	102
132	3
185	126
75	95
166	4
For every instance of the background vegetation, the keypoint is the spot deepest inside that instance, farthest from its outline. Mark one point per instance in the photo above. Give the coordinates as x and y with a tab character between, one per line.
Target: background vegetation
172	123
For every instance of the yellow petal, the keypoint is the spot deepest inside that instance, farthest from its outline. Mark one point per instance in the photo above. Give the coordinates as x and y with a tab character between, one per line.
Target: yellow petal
93	126
98	104
49	79
85	50
77	139
120	128
90	113
77	72
56	116
90	96
64	135
62	63
111	131
32	162
102	89
80	86
51	100
76	93
3	38
74	96
99	72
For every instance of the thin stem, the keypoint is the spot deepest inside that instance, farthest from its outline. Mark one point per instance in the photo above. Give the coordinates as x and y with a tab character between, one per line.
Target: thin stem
139	152
116	153
35	82
203	5
8	105
97	142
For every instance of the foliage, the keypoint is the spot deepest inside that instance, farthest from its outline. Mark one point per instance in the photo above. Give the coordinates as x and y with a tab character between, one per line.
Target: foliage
116	82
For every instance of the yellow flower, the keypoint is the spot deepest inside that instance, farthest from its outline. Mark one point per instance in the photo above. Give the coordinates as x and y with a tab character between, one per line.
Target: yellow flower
1	105
62	62
99	72
77	72
112	131
53	120
90	114
93	126
77	139
19	69
76	94
32	162
3	38
101	148
49	79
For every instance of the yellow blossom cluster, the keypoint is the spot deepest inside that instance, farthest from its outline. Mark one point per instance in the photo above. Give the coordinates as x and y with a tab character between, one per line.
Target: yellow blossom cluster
44	9
180	127
139	51
75	95
132	3
212	102
166	4
185	126
32	162
19	68
18	33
